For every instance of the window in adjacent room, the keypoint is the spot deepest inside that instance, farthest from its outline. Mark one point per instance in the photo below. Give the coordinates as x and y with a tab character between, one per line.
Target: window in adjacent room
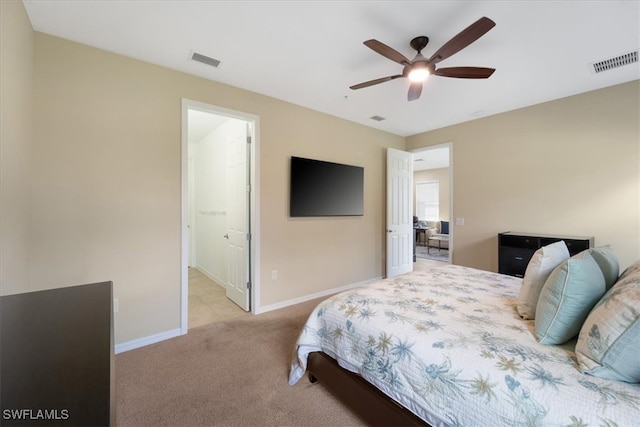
428	200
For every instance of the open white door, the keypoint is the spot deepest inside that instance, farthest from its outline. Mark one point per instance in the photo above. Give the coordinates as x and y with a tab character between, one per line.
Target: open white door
399	212
238	235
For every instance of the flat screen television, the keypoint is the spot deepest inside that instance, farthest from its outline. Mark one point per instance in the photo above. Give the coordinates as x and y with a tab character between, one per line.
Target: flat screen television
320	188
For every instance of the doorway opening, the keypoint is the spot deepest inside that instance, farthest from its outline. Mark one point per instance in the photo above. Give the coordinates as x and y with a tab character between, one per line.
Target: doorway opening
433	169
219	214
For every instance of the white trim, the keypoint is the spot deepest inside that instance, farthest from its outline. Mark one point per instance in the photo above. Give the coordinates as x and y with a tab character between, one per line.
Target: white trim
452	215
305	298
184	221
188	104
153	339
144	341
255	214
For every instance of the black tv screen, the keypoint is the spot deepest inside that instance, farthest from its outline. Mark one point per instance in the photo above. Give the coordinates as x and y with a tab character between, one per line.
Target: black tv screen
321	188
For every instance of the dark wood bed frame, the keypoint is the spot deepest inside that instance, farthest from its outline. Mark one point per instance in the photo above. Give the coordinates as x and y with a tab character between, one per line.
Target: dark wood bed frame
372	405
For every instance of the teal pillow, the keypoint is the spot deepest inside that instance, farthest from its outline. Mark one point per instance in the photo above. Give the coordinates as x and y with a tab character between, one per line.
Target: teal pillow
609	342
608	263
567	297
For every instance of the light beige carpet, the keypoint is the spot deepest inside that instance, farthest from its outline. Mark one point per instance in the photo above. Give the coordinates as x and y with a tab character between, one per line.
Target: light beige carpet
233	373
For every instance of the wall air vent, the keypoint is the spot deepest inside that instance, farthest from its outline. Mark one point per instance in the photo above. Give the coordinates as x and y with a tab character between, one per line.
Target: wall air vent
205	59
377	118
618	61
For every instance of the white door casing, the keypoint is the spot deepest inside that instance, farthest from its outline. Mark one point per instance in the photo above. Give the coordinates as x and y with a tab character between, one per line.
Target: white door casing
399	212
191	209
238	231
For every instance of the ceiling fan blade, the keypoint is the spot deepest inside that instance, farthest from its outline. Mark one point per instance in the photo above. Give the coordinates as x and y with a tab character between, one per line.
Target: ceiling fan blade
374	82
464	38
465	72
387	52
414	91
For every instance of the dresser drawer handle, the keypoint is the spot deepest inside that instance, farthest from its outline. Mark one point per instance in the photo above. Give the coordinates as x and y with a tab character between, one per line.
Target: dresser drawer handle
519	258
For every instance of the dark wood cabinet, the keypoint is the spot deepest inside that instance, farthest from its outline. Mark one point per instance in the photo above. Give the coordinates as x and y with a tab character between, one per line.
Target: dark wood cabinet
57	355
516	249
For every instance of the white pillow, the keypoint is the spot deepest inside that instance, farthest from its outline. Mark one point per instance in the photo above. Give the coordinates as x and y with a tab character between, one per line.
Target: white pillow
542	263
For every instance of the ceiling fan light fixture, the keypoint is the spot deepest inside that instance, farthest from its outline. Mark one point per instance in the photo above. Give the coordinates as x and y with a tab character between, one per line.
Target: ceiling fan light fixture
419	69
419	74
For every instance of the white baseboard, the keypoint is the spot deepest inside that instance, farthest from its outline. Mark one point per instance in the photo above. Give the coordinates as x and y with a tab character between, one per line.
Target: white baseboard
305	298
211	276
151	339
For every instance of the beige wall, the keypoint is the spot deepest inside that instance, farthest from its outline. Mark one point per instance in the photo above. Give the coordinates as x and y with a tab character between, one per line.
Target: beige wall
570	166
106	185
442	176
315	254
16	112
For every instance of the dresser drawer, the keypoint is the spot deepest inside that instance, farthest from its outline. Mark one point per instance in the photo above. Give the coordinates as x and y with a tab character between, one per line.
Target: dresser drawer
520	241
514	261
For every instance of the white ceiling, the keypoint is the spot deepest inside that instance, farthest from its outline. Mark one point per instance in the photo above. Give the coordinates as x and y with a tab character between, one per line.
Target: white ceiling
310	52
431	158
201	124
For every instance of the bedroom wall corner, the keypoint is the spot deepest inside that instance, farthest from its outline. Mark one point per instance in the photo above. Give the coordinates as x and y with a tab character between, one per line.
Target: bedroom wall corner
569	167
16	115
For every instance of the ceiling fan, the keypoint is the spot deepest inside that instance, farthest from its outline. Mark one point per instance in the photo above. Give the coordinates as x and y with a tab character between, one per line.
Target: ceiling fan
418	69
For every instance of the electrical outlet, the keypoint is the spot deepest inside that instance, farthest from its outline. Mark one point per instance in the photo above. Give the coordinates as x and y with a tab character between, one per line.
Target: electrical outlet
274	275
116	305
459	221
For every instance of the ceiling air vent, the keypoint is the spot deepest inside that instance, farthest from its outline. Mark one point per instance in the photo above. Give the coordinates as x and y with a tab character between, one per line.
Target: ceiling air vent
377	118
205	59
618	61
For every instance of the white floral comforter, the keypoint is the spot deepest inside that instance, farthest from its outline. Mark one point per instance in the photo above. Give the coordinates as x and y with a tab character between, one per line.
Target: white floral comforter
449	345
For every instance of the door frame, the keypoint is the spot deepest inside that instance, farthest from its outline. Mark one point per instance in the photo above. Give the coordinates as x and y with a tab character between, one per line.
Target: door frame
452	221
254	209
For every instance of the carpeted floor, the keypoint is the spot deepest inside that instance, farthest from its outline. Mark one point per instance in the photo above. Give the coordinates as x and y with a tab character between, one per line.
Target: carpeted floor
232	373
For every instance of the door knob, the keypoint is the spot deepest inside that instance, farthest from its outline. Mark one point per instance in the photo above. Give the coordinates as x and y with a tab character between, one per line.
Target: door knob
226	236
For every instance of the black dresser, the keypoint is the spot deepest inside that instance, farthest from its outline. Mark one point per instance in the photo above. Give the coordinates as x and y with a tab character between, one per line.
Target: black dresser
516	249
57	355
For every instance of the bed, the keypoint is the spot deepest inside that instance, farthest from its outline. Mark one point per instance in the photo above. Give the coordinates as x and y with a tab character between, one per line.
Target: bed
447	347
